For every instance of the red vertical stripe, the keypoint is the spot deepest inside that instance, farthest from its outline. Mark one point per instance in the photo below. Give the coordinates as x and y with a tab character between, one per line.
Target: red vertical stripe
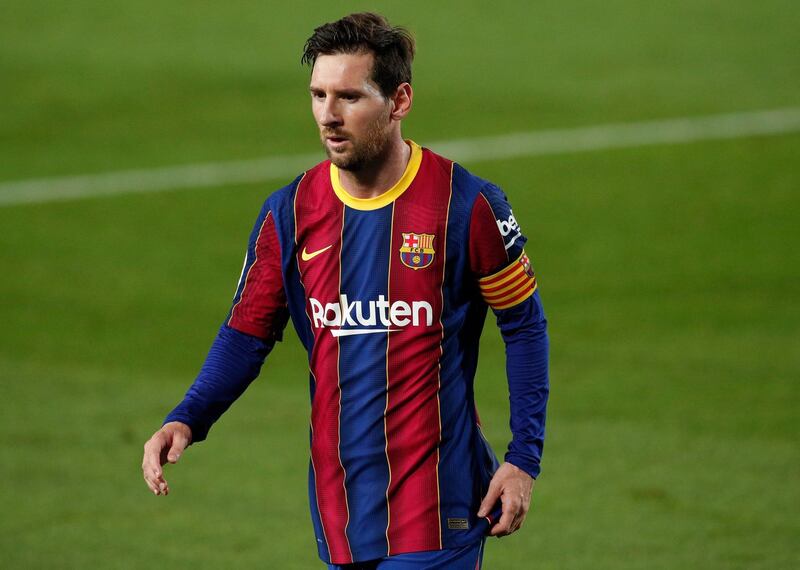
318	223
487	250
413	429
261	308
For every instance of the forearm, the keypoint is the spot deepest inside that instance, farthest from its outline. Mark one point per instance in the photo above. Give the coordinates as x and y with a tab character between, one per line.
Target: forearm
233	361
525	335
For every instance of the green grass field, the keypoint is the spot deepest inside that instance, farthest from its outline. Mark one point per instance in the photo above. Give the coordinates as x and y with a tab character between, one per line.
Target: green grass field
669	274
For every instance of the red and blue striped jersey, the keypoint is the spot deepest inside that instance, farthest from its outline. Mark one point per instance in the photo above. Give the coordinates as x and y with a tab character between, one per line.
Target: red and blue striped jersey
389	295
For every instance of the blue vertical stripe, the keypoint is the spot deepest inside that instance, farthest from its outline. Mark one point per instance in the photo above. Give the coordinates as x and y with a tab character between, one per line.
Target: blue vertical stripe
362	376
465	463
316	520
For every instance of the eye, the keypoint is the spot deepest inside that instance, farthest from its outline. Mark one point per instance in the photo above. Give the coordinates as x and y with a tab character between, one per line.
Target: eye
320	95
350	97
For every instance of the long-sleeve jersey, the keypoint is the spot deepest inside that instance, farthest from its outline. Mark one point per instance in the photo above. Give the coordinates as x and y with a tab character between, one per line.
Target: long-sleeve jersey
389	296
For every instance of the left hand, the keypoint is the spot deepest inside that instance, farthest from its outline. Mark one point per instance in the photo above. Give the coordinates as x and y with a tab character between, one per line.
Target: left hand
513	487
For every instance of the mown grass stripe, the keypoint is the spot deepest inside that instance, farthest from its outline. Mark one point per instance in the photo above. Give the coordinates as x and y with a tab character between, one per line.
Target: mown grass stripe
514	145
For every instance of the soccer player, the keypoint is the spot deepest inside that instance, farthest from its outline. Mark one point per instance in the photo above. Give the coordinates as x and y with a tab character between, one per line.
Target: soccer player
386	257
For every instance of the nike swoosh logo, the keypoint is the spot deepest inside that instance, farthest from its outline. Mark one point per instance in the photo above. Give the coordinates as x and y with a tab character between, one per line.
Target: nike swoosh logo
307	256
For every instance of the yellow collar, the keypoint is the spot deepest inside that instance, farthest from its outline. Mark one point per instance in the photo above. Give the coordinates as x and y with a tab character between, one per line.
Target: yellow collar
387	197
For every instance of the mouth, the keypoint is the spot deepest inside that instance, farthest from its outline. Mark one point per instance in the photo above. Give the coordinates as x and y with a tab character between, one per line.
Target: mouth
336	144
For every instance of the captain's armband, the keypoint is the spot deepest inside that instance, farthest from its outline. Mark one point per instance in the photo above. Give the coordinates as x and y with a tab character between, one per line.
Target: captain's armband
510	286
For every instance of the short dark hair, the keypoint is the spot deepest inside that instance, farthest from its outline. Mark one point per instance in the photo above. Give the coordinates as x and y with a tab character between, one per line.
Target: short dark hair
392	46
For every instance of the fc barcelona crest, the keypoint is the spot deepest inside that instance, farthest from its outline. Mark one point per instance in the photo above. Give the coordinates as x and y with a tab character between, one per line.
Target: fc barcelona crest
417	250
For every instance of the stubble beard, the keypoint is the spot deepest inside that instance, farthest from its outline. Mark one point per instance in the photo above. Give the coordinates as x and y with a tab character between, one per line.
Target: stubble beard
371	149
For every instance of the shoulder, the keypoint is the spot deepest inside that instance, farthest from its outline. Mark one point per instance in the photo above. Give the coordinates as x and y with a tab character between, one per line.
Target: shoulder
284	196
484	190
467	183
467	189
280	204
495	235
486	197
463	180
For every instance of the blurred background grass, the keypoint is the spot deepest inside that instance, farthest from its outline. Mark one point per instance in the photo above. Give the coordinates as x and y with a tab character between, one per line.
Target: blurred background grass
669	274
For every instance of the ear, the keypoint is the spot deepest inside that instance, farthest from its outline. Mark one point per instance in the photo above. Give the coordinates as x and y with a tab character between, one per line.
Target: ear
401	101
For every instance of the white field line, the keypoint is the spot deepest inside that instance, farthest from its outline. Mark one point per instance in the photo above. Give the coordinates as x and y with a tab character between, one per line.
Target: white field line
477	149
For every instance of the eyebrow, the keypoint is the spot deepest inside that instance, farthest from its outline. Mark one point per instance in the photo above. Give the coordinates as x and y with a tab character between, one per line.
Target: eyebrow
339	92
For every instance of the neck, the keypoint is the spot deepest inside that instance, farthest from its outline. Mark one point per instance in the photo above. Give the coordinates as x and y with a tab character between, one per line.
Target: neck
373	180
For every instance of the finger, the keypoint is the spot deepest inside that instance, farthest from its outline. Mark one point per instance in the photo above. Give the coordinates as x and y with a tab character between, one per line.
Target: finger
159	487
512	507
152	451
492	494
517	515
151	466
516	523
160	482
152	485
152	473
179	443
503	526
500	529
149	472
151	479
523	514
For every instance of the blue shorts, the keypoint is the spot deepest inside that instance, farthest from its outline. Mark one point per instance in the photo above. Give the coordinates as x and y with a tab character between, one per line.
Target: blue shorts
464	558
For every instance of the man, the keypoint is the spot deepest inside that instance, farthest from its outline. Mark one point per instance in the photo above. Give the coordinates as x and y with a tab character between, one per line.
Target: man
385	257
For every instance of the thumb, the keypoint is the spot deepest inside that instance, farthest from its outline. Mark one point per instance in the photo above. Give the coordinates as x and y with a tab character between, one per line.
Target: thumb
179	443
489	500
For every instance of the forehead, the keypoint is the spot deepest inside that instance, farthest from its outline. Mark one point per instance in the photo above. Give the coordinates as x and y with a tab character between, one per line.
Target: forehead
343	71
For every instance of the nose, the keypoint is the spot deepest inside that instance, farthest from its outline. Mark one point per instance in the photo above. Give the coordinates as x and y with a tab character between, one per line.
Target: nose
329	113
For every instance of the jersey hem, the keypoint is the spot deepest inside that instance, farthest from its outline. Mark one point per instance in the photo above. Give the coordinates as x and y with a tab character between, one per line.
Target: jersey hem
381	553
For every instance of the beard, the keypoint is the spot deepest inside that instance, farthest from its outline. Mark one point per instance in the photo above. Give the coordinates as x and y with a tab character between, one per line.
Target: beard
368	150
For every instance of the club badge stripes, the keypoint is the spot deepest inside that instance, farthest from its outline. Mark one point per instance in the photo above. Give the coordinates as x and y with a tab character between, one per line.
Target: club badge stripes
509	286
421	241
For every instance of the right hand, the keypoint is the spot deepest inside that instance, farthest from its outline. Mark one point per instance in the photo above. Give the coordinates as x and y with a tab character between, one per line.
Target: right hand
166	445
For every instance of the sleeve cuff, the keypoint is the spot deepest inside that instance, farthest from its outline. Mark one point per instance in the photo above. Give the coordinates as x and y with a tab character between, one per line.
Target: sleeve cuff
199	431
530	466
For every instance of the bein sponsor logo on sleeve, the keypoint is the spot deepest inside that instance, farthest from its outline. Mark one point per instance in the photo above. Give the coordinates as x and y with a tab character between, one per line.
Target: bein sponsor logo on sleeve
509	229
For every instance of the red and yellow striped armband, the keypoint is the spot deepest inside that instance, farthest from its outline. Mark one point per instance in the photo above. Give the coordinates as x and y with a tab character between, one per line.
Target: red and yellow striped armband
509	286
